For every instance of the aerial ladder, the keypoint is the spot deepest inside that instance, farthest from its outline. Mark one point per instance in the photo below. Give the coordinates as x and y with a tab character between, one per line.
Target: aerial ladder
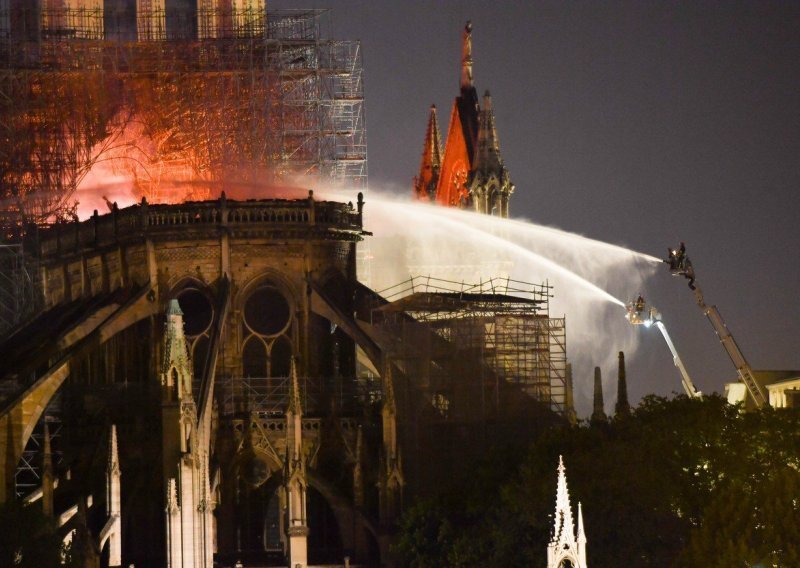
639	314
680	265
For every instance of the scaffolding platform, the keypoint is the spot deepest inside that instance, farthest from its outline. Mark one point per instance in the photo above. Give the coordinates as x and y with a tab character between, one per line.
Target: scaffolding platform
497	335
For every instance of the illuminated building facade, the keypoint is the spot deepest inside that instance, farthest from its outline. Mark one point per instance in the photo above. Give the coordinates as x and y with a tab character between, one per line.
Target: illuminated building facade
469	173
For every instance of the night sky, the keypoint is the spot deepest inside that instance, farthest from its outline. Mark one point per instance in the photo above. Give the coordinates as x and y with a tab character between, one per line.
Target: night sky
636	123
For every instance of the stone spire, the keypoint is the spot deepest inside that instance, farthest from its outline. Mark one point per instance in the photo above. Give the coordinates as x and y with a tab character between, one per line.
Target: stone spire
623	407
466	57
581	535
113	469
295	402
425	184
113	526
599	413
295	474
563	543
176	367
489	184
487	153
563	527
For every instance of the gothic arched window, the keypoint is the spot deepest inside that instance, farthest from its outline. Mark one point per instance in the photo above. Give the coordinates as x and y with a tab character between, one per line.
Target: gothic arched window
266	330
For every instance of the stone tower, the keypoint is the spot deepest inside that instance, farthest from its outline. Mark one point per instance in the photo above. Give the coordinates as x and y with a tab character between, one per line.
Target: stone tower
565	544
470	174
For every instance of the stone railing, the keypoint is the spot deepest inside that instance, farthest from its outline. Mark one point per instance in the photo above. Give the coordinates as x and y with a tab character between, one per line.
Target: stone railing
144	218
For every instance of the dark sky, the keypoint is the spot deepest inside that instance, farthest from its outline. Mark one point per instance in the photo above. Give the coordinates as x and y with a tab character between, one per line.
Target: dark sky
637	123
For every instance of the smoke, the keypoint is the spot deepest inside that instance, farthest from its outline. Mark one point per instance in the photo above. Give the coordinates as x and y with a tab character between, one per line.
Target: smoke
591	279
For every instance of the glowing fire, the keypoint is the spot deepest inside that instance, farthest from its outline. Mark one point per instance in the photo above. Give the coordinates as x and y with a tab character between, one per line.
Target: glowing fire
131	164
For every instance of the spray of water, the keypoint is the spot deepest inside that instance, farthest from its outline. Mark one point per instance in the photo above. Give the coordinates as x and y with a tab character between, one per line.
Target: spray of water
591	279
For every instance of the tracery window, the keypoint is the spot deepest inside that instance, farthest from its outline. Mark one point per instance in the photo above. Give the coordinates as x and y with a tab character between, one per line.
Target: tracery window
198	313
267	346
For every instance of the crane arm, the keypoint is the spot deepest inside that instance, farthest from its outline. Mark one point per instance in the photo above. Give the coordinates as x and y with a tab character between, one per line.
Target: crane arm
725	337
688	385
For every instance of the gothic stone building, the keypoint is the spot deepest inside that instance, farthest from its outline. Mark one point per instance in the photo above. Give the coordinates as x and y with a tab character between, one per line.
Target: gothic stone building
469	173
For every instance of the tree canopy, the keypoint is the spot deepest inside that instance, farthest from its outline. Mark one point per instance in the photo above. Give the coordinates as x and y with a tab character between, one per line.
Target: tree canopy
679	482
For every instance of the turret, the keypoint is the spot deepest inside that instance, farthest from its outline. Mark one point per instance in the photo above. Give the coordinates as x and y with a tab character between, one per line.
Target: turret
623	407
425	184
599	413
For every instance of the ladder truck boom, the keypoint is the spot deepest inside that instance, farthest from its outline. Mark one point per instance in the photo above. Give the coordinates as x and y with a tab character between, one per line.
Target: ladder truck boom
680	265
736	355
688	385
638	315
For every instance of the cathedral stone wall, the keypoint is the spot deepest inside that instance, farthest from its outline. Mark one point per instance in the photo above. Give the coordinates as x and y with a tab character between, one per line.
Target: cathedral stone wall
257	258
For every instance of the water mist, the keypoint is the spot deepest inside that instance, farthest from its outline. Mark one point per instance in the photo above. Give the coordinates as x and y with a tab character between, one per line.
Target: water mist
591	279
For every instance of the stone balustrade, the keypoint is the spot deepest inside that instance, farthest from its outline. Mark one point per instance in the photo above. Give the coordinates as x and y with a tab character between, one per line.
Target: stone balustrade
145	219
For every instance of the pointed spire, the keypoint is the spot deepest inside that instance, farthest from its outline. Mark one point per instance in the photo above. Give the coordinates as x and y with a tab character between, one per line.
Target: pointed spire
113	474
489	183
425	184
172	496
492	141
466	57
563	526
176	367
623	407
487	157
565	545
295	403
113	452
599	413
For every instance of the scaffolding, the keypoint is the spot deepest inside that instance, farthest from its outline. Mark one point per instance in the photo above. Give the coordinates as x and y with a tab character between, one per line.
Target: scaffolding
475	345
182	101
17	287
271	396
